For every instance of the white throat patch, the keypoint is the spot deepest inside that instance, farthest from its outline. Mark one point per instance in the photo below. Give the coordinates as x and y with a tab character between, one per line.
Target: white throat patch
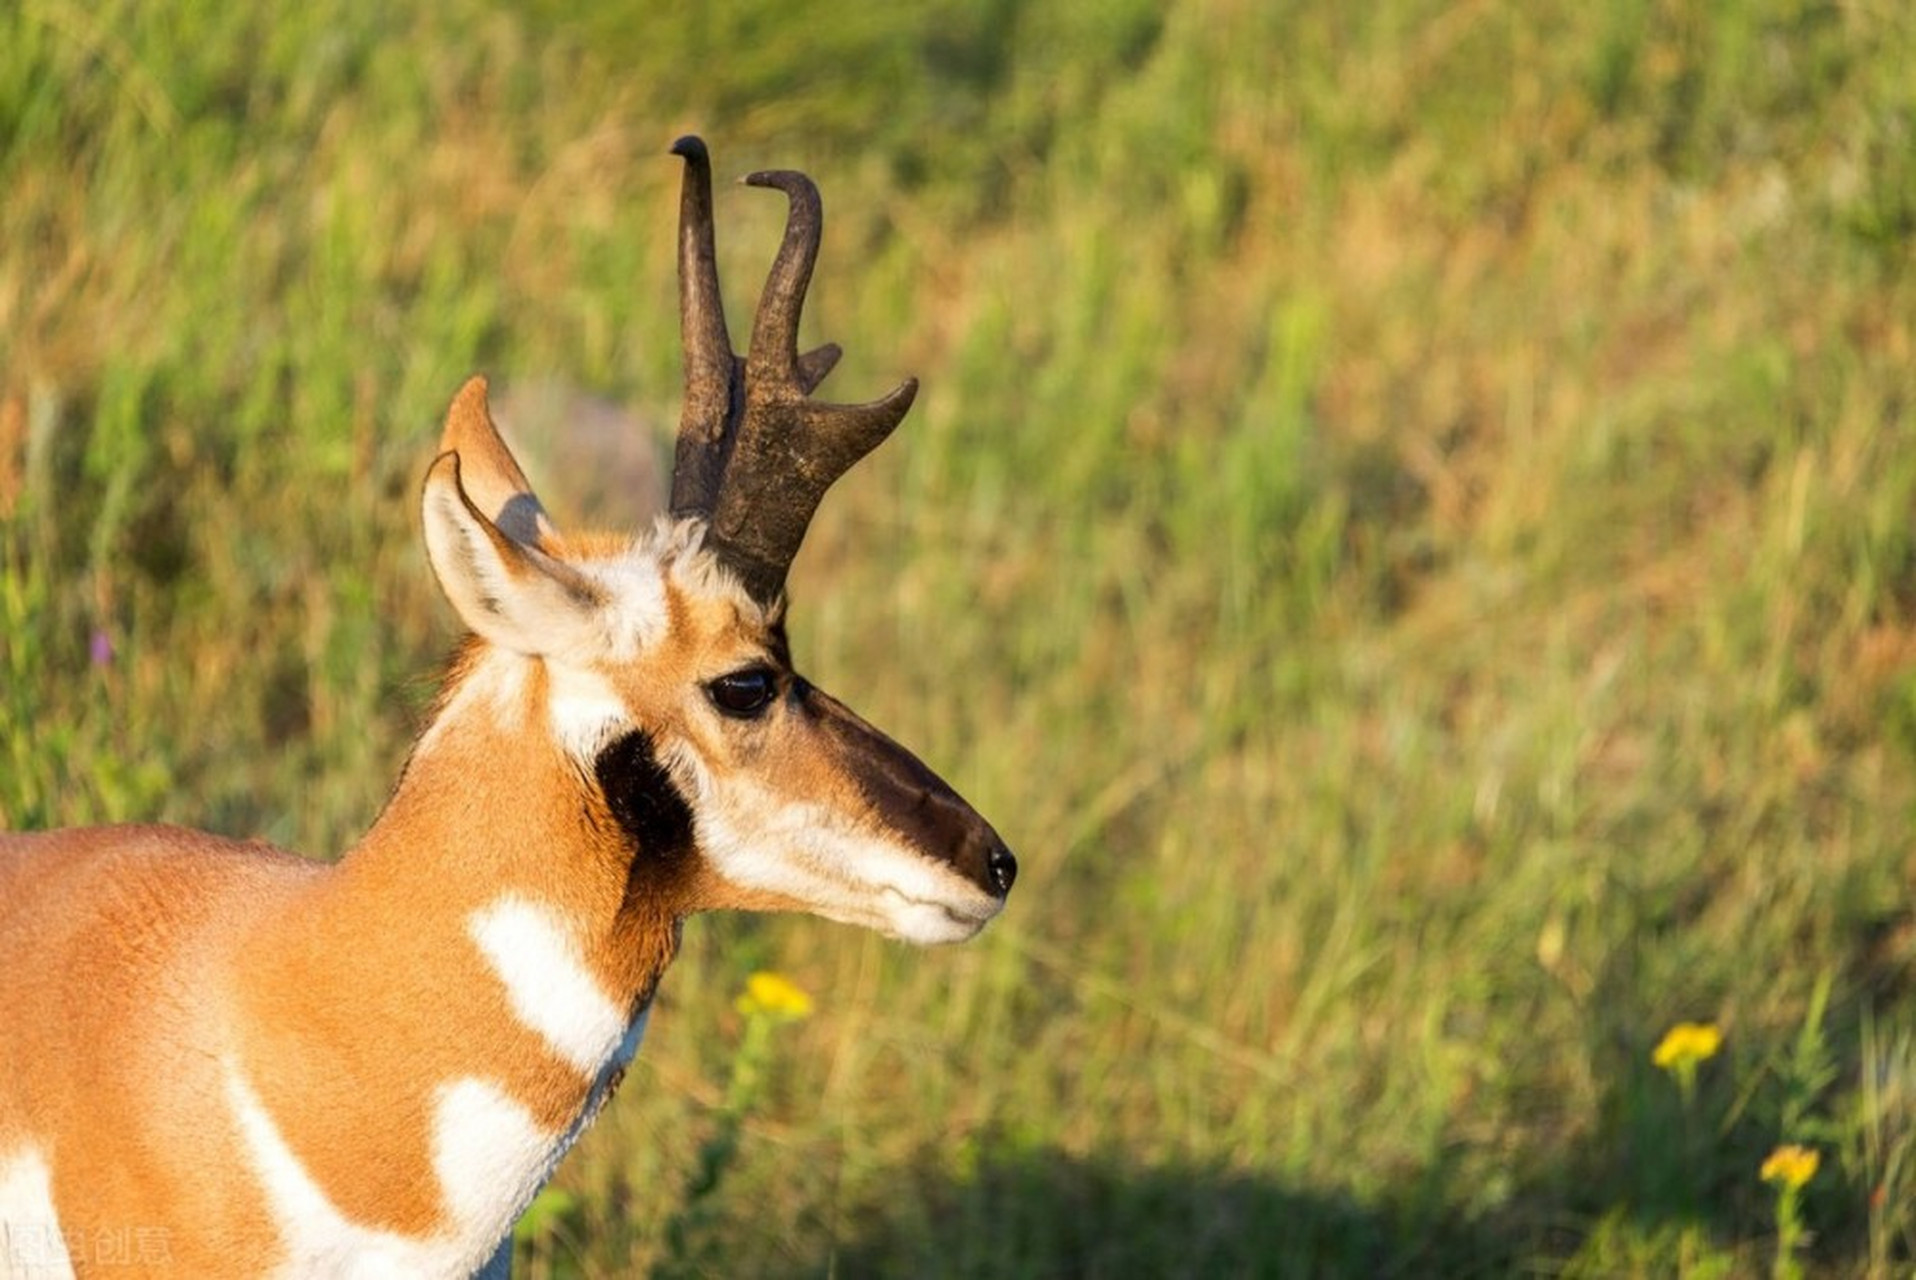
547	983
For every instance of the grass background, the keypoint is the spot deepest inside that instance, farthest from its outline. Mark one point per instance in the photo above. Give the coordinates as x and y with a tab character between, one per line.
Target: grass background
1408	531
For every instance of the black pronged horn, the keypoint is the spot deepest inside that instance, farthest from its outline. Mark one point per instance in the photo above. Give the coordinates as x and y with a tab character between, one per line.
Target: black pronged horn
713	375
755	453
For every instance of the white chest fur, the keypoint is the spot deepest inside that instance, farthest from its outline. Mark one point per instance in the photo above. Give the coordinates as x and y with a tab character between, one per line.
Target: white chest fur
476	1132
31	1247
489	1155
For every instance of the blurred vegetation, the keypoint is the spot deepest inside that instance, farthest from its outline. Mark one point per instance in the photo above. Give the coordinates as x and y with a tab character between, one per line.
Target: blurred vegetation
1408	531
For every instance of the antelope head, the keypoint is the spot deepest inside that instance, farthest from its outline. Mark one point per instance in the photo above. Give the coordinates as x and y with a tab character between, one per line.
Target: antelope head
668	684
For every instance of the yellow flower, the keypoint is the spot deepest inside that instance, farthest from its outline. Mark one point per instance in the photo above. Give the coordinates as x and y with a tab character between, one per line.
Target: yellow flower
1686	1044
775	996
1791	1166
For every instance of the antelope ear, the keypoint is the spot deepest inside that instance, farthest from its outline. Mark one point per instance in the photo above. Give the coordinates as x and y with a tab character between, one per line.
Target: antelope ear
491	475
505	588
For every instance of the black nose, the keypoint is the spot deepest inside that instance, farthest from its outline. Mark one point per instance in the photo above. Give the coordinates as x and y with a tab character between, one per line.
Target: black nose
1001	869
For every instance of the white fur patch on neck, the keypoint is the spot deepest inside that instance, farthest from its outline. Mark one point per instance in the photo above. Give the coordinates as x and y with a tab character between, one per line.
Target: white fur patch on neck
489	1153
547	983
318	1239
603	1084
31	1244
490	1156
585	711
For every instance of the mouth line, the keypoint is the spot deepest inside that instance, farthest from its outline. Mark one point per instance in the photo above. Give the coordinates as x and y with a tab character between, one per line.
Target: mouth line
957	915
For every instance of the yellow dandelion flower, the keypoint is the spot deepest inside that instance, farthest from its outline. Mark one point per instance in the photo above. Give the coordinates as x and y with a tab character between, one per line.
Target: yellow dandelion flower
1791	1166
775	996
1686	1044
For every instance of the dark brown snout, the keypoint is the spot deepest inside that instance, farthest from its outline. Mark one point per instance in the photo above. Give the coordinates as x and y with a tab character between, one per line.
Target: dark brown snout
916	804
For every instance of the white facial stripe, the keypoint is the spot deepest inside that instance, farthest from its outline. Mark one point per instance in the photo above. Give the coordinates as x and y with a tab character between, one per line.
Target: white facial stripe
31	1245
584	710
547	983
808	853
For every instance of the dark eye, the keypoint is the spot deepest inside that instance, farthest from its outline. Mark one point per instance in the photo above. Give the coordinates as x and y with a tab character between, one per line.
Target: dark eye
744	694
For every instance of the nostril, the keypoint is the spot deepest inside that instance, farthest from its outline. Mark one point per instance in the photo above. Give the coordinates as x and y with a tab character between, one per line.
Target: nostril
1001	869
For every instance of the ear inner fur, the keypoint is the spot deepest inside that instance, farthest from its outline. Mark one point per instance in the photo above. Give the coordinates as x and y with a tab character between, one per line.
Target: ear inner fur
514	594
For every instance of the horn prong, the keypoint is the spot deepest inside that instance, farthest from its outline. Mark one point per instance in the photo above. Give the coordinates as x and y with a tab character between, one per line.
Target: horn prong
816	365
755	453
775	329
712	372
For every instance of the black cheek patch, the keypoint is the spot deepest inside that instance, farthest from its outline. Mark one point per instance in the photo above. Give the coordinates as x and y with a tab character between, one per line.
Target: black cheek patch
644	802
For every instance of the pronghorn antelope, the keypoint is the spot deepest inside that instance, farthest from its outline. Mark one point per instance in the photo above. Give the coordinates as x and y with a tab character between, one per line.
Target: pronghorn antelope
219	1058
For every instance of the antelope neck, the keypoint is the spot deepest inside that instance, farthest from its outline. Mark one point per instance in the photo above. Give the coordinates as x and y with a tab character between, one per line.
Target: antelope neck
559	854
472	954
